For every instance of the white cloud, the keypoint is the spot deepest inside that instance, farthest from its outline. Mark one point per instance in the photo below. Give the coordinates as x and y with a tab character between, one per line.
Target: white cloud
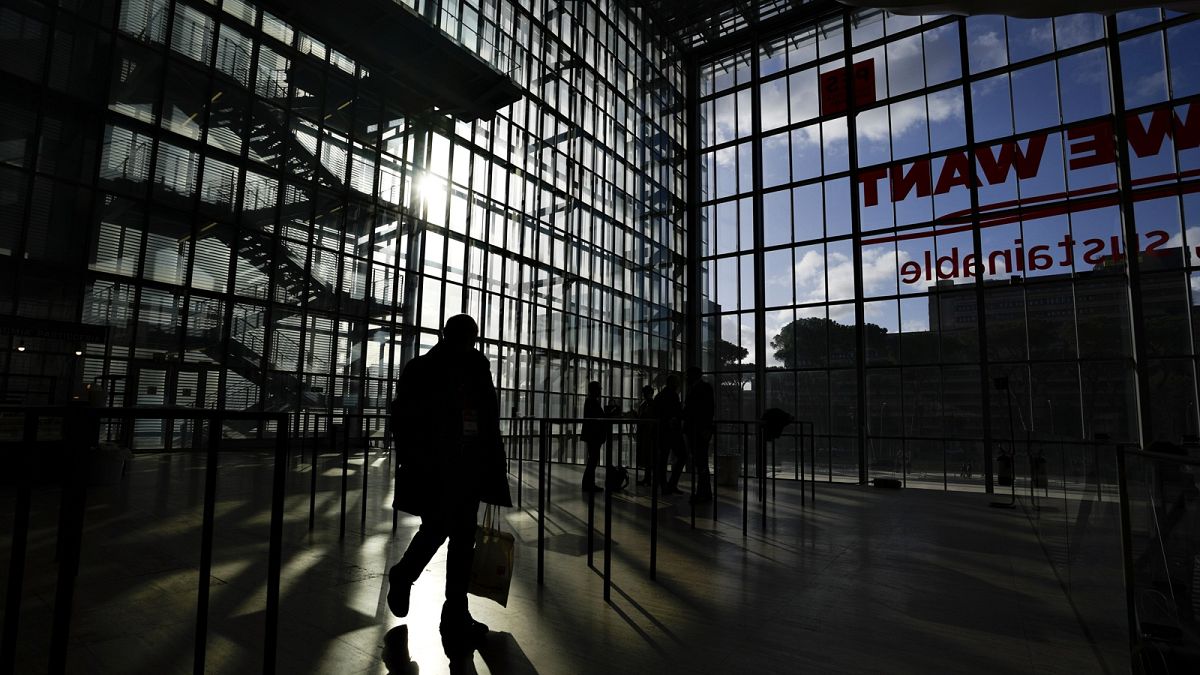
989	50
814	273
1151	87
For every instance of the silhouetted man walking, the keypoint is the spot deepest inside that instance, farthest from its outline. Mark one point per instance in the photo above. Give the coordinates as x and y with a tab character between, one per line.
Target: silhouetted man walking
446	424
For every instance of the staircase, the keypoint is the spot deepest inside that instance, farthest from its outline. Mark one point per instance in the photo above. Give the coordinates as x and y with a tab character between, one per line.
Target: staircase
269	139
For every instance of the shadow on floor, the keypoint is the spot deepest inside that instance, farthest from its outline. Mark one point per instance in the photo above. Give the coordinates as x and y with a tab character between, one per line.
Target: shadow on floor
396	657
500	652
504	656
569	543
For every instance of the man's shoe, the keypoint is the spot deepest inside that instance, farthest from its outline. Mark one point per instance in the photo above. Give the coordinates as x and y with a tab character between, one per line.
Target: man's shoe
398	594
668	490
462	627
700	499
593	488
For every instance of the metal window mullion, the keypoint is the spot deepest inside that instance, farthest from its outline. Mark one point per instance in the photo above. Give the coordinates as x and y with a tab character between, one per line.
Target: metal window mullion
148	191
31	155
985	390
1142	391
860	337
97	210
369	218
693	328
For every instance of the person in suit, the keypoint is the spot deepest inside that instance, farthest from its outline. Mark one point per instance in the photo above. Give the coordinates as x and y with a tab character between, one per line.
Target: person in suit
670	441
594	434
446	425
647	433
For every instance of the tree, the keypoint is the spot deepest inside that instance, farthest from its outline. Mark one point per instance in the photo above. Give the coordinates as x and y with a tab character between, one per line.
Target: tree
729	354
811	342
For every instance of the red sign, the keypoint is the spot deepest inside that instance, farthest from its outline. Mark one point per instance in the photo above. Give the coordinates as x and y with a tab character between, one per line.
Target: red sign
833	88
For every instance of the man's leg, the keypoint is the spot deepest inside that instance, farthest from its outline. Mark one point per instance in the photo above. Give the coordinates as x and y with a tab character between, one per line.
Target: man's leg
681	458
593	460
425	543
459	556
663	455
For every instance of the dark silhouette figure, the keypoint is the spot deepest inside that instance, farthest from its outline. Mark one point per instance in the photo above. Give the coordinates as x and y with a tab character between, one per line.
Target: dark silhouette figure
647	434
594	435
446	424
670	412
698	427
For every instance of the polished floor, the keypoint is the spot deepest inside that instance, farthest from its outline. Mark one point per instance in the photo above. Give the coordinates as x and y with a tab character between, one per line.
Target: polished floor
866	580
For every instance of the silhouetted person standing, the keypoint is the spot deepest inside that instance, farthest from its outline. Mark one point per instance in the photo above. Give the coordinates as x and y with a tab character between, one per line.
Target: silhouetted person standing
698	413
594	434
446	423
647	433
669	410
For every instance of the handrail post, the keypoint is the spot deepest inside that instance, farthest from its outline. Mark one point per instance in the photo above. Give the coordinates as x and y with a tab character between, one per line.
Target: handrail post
542	485
712	452
345	473
275	550
1126	550
206	544
365	436
591	512
654	480
812	450
518	423
798	460
312	479
608	457
774	464
762	473
79	438
745	477
695	476
20	538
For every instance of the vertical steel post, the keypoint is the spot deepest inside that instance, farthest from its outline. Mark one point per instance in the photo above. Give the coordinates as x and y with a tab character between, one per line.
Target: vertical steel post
20	538
345	474
275	550
1127	552
312	479
761	442
608	457
200	645
654	481
542	485
745	478
365	437
518	424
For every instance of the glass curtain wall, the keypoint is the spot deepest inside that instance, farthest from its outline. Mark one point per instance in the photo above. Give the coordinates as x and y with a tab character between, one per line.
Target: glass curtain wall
942	240
259	230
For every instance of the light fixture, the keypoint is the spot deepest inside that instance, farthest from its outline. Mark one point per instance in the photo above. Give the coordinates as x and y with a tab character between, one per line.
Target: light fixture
78	352
21	347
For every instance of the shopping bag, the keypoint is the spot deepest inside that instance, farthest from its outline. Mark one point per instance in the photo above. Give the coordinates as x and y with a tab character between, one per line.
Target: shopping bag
492	568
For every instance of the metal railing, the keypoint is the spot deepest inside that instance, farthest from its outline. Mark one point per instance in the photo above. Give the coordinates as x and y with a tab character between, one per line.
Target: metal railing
521	428
1160	537
79	435
331	432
